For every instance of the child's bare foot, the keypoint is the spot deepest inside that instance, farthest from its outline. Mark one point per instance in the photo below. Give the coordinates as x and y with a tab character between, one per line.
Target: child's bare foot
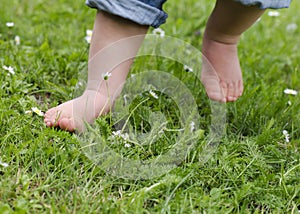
227	22
72	115
221	73
106	55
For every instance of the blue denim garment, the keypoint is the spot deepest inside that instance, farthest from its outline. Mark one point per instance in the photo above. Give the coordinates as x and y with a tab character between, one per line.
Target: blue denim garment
264	4
154	3
143	12
149	12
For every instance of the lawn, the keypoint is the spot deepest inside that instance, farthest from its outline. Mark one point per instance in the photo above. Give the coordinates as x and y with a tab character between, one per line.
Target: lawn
255	167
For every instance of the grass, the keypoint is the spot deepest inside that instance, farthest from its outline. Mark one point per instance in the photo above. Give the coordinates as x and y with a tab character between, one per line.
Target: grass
254	169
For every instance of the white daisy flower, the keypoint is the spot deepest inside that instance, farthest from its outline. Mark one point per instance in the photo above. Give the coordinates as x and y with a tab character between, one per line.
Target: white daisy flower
153	94
187	68
286	135
116	133
120	135
9	69
17	40
159	31
37	111
273	13
10	24
290	91
106	75
3	164
291	27
127	145
125	136
89	33
88	36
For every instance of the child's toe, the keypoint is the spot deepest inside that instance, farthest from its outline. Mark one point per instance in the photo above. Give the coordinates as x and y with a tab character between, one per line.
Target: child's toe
67	124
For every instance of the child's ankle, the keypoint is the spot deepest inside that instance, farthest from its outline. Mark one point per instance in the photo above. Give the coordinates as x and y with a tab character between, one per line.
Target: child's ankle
221	38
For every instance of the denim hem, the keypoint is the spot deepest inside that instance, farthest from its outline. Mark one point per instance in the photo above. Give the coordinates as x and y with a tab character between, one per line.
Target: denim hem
265	4
134	10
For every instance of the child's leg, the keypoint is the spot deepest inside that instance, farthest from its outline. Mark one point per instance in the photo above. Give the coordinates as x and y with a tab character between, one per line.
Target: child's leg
227	22
108	29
